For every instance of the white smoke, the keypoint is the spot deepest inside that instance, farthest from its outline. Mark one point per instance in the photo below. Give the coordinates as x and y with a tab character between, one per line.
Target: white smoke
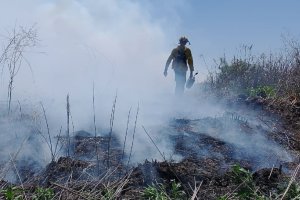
115	46
109	43
21	144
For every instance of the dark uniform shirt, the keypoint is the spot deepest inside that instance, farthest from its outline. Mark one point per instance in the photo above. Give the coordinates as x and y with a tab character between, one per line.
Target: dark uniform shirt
180	57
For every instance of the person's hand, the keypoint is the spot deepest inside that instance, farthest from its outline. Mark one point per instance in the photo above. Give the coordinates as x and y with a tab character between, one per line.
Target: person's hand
165	73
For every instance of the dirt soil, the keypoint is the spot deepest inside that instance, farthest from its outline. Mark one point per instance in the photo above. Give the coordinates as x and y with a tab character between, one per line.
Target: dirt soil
206	160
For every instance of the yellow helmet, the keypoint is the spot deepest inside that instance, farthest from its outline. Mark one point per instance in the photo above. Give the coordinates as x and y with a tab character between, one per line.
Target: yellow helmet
183	40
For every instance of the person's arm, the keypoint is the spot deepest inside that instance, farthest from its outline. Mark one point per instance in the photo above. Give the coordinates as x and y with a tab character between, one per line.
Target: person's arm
170	58
190	61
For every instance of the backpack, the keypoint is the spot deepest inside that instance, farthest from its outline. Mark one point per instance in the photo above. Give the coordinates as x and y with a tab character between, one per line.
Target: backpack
180	58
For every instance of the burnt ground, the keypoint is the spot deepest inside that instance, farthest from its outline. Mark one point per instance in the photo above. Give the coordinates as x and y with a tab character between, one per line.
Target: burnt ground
289	111
207	159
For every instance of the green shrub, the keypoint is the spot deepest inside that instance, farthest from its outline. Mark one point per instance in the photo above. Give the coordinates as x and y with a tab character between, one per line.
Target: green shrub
154	193
259	75
176	192
246	187
43	194
159	192
263	91
12	193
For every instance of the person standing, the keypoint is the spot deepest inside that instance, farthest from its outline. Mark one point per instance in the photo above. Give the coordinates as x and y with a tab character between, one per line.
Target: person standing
182	59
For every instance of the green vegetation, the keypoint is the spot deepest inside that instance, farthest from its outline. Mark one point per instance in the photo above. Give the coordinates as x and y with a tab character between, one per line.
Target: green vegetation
159	192
246	186
245	190
293	192
12	193
176	192
275	76
43	194
107	194
16	193
263	91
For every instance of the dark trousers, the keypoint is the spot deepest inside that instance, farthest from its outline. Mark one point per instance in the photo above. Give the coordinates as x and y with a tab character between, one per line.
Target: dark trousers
180	79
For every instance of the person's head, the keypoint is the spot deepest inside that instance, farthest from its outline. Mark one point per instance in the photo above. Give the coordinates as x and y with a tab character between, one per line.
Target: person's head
183	41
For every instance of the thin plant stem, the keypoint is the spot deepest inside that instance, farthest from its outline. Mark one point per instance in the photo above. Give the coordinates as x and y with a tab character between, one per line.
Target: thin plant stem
126	133
293	178
162	155
68	126
73	133
133	135
48	132
56	144
95	131
112	117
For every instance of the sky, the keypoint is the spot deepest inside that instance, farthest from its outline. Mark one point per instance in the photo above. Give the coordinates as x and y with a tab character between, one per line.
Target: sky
120	48
217	27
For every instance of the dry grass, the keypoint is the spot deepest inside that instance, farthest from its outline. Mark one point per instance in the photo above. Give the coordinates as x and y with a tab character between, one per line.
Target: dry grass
280	72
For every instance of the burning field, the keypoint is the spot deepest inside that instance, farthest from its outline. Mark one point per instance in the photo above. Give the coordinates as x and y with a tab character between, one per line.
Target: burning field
244	153
88	111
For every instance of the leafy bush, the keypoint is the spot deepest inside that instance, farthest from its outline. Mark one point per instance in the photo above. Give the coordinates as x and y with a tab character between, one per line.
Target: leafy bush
242	175
176	192
246	188
261	74
43	194
151	192
263	91
159	192
12	193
